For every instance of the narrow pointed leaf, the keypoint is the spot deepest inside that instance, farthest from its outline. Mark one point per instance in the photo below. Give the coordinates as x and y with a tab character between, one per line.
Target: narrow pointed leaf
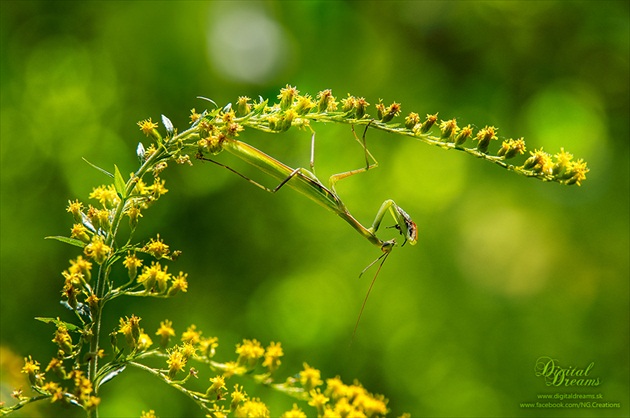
67	240
209	100
119	182
58	322
111	374
102	170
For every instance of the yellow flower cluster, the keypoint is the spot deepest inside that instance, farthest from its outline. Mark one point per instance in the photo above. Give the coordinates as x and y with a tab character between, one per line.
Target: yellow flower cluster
339	399
156	279
82	392
295	109
135	336
331	398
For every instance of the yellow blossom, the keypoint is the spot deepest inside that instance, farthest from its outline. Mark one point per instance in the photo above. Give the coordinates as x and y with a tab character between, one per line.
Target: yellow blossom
295	412
188	350
154	276
208	346
133	212
335	388
97	250
233	368
165	332
141	187
326	102
106	195
179	284
92	300
147	126
191	335
484	136
130	328
156	247
31	369
91	403
157	189
132	263
304	104
56	365
449	128
272	357
310	378
62	339
463	135
286	96
81	265
176	362
253	408
17	394
238	396
75	208
79	231
370	405
343	408
55	390
318	400
249	352
144	341
578	172
511	148
217	388
539	161
194	116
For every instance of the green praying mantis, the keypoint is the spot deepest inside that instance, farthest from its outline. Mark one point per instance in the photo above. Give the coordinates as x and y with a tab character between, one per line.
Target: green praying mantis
216	131
305	182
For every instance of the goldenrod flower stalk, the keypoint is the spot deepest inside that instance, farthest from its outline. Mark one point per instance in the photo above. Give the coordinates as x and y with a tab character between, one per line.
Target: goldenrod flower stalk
74	375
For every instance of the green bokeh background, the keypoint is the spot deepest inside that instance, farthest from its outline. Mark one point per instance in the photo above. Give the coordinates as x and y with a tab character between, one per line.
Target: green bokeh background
507	269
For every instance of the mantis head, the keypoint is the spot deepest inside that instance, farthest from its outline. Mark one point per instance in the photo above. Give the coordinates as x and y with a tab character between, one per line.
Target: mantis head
406	226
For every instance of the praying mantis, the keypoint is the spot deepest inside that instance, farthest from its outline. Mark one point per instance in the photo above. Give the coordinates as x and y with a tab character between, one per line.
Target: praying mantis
216	131
305	182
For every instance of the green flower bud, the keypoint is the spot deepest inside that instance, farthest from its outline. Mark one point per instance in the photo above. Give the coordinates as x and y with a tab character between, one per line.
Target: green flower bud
463	135
412	120
428	123
484	137
361	105
448	128
243	107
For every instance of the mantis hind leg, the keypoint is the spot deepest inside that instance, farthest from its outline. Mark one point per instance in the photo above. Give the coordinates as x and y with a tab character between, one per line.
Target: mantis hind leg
254	182
368	156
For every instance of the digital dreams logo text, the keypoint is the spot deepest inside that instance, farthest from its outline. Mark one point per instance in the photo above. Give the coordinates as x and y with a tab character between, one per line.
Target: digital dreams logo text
569	376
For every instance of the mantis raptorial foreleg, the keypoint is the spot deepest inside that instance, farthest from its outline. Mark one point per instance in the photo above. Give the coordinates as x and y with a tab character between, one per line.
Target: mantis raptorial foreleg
404	224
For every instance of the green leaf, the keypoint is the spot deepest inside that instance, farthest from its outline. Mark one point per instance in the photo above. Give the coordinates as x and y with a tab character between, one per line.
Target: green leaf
115	371
71	241
58	322
102	170
119	182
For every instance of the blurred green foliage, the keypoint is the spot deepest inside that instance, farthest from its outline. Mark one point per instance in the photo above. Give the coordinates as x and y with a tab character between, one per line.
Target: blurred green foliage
507	270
